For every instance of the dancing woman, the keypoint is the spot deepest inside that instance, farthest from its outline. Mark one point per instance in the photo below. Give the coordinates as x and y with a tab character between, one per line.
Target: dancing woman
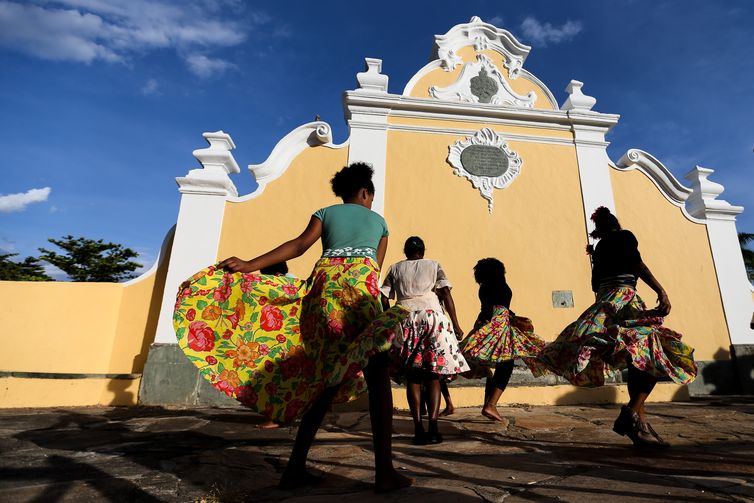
289	348
618	331
498	337
428	349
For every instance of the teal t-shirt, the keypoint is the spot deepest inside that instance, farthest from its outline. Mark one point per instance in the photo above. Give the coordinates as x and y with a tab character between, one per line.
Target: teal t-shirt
350	230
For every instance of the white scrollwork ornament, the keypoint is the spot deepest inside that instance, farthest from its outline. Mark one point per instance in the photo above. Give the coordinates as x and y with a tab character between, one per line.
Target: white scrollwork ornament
486	160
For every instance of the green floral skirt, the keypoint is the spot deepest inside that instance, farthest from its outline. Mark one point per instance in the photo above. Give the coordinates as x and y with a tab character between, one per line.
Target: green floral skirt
275	343
616	330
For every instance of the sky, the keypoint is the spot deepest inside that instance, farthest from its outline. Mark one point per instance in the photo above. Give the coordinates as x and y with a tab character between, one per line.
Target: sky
103	101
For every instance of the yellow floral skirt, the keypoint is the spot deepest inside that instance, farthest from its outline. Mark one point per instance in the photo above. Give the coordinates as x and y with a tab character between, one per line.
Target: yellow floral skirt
275	343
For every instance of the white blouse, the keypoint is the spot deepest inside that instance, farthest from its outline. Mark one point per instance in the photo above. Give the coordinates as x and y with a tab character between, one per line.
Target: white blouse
414	282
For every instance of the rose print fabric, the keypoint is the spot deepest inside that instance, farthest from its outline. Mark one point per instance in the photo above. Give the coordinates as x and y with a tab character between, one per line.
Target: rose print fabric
617	329
504	337
275	343
427	342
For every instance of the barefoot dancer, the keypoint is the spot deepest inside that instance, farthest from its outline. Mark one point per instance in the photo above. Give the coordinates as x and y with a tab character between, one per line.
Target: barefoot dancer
498	336
618	331
286	347
428	349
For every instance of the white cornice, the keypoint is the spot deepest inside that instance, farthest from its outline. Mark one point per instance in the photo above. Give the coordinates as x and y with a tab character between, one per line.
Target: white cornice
703	202
671	188
291	145
480	112
217	162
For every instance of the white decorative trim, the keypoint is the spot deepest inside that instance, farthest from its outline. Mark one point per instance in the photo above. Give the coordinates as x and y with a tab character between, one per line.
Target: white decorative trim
460	90
372	80
288	148
482	36
576	99
548	94
485	184
163	254
471	131
217	162
703	202
673	190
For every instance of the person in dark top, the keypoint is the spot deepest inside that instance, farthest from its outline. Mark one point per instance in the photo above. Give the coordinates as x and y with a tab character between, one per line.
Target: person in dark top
619	332
498	336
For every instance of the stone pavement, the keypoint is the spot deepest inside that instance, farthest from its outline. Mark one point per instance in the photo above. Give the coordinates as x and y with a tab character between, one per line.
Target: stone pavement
545	454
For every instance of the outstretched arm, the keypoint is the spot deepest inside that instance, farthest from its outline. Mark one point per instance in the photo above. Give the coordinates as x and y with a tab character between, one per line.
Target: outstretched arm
663	303
450	307
286	251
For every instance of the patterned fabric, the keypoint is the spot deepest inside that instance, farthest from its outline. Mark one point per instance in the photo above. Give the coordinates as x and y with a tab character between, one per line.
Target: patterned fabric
617	329
428	343
504	337
275	343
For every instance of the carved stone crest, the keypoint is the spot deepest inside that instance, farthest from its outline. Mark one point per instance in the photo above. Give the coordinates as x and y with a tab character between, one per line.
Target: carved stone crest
483	87
486	160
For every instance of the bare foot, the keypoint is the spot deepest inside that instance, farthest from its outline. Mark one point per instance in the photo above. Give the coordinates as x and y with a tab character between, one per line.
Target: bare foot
268	425
294	480
492	413
449	410
392	482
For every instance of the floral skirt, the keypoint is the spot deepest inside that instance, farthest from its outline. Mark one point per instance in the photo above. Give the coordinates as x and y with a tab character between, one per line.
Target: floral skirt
427	342
616	330
275	343
504	337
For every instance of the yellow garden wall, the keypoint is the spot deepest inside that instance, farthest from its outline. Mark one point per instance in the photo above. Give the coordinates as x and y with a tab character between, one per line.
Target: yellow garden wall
677	251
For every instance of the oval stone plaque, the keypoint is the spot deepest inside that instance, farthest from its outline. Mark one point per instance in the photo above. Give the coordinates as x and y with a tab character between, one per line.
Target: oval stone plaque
484	160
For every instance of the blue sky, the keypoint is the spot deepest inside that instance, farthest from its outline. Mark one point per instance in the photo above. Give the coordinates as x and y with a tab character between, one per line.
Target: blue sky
103	101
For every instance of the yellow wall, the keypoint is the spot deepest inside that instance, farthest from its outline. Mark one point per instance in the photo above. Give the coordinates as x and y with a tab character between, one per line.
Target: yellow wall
282	212
677	251
536	228
441	78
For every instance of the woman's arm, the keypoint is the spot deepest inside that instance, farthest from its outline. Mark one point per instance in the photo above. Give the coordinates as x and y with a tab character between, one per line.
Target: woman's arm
663	303
450	307
286	251
381	250
385	302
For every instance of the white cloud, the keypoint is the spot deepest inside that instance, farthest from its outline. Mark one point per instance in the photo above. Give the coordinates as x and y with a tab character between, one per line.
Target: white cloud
205	67
541	35
87	31
18	202
54	272
497	21
151	87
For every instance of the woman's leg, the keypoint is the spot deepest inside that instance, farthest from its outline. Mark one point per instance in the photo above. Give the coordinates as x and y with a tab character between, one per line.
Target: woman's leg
295	474
413	396
494	388
632	420
433	407
640	385
381	415
449	408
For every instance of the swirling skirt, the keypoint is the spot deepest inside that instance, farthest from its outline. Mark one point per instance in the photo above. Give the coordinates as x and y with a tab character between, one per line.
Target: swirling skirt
275	343
613	331
427	342
504	337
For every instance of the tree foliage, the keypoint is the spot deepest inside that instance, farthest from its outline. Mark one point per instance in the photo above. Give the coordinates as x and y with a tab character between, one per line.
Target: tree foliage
28	270
91	260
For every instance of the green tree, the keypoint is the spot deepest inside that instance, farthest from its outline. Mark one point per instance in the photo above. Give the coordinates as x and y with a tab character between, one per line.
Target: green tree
745	238
89	260
28	270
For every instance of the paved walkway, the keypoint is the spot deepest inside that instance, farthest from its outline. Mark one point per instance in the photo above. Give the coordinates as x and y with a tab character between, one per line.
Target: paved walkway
544	454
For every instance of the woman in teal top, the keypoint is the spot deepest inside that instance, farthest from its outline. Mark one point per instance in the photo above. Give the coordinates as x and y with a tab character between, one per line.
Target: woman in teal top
289	348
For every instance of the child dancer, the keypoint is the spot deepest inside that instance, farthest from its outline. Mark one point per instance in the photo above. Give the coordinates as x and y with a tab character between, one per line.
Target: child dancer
498	336
288	348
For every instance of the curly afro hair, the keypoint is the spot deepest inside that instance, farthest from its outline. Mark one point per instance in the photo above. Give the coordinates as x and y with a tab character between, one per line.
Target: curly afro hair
350	180
489	270
604	222
413	246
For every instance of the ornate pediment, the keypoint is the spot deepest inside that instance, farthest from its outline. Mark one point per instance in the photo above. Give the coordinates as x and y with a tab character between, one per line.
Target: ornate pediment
481	82
483	36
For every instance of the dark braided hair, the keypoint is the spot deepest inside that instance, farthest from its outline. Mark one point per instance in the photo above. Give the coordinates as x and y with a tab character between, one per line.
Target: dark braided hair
604	222
489	270
413	246
350	180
